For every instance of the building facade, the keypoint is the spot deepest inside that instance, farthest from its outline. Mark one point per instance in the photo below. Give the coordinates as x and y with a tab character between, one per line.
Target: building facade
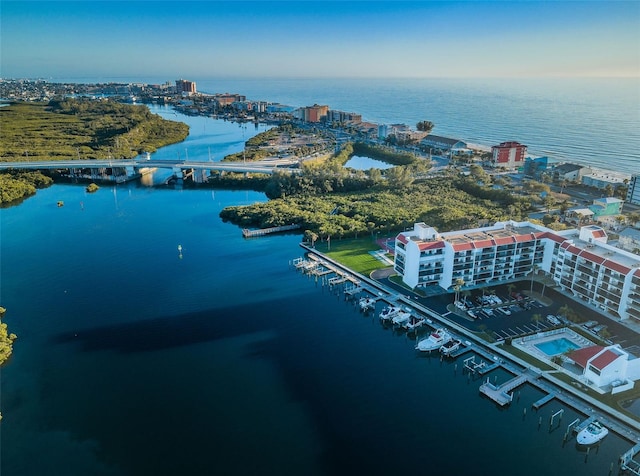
185	87
315	113
580	261
509	155
633	192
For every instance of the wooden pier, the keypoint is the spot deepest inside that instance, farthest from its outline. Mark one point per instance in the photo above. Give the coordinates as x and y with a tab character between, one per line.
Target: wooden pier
627	463
500	394
546	399
267	231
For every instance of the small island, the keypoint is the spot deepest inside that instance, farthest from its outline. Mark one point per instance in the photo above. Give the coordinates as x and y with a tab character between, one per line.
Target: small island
92	187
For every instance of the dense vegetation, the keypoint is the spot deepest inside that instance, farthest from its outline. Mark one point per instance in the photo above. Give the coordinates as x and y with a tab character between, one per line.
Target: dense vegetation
384	154
17	185
379	206
82	129
75	129
6	339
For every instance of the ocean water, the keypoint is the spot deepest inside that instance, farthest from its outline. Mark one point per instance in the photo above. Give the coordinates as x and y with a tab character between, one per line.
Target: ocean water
591	121
135	359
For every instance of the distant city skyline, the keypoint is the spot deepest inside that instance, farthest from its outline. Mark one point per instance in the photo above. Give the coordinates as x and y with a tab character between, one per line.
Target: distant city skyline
199	40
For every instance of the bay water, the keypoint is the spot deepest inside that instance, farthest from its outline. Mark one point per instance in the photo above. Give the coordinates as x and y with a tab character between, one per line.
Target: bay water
135	358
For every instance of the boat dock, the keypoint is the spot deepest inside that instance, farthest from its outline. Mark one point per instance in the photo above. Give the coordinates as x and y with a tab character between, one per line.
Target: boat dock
546	399
581	426
491	355
267	231
500	394
627	463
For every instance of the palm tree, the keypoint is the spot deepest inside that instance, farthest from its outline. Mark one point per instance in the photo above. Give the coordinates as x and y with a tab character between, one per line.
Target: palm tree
458	284
533	272
536	318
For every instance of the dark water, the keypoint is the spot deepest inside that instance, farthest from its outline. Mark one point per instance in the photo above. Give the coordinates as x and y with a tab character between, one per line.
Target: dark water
132	360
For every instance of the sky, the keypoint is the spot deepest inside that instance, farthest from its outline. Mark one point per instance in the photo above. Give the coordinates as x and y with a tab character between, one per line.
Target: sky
375	39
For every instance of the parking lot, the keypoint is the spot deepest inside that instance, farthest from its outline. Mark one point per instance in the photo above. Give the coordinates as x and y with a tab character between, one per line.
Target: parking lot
514	316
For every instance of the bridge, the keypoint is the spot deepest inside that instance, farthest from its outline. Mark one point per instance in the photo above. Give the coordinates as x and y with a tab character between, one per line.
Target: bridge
124	170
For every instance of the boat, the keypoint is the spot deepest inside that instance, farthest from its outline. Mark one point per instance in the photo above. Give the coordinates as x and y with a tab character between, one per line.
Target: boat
592	434
436	339
451	346
413	323
389	312
367	303
472	314
401	317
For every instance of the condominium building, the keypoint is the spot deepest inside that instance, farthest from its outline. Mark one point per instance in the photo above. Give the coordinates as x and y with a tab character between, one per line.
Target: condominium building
186	87
580	261
509	155
633	192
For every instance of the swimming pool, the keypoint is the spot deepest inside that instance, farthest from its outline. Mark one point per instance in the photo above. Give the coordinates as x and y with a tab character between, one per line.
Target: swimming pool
557	346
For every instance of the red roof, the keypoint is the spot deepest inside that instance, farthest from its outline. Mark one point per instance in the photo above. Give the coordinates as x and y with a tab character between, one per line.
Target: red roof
637	273
523	238
402	239
553	236
591	257
505	241
462	246
599	233
581	356
604	359
617	267
484	243
430	245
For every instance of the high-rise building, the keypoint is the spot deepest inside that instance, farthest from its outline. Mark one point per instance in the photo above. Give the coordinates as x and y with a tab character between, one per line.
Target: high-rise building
633	192
579	260
509	155
185	87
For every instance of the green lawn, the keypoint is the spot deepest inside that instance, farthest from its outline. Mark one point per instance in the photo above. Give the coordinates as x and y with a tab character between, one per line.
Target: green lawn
353	253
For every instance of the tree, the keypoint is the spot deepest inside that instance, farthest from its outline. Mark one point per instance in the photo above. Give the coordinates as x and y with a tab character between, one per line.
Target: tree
536	318
425	126
458	284
608	190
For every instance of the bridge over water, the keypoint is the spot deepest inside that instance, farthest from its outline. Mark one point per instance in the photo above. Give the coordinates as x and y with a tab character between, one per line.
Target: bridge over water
124	170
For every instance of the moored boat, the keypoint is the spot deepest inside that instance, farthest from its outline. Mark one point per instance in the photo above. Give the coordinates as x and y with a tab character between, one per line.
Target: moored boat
401	318
389	312
451	346
593	433
436	339
367	303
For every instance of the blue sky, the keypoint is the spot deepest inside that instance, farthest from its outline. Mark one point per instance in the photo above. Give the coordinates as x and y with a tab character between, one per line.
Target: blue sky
205	39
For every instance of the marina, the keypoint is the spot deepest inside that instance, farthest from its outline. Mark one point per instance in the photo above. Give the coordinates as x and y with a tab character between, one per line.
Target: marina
487	359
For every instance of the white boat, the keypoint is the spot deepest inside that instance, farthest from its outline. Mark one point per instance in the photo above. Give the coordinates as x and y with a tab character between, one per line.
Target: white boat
436	339
472	314
389	312
451	346
593	433
413	323
401	318
367	303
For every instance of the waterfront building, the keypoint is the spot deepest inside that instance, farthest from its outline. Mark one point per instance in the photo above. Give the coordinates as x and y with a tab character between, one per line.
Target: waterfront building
606	366
444	143
184	86
633	192
578	260
508	155
601	178
383	131
227	99
342	117
569	172
315	113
